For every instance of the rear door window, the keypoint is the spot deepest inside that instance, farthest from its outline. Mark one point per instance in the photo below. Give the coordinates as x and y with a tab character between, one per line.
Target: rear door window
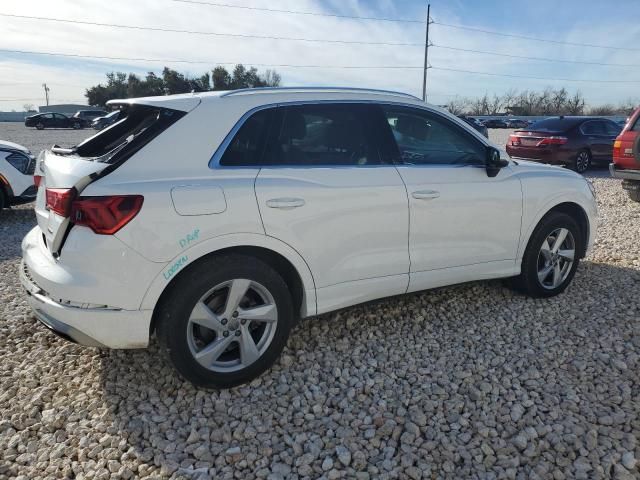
247	145
612	128
323	135
594	127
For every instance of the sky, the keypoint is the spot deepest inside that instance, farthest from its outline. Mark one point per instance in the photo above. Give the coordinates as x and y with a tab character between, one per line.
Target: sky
323	63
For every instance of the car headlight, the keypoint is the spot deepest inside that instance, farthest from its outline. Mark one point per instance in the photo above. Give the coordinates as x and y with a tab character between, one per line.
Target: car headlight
19	162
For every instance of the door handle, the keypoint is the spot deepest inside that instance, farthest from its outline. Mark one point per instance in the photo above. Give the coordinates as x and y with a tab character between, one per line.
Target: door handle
425	194
285	203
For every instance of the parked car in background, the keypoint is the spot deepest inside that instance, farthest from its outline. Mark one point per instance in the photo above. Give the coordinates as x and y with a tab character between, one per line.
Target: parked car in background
575	142
87	116
16	174
53	120
476	124
267	216
517	123
103	122
626	157
495	123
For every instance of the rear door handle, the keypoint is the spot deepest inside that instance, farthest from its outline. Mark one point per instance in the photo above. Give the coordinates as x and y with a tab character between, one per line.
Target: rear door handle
285	203
425	194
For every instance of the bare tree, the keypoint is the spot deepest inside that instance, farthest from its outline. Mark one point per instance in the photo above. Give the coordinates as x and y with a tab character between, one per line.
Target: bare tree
602	110
457	105
29	107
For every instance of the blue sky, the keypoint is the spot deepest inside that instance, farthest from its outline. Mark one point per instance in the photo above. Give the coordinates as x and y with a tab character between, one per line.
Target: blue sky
592	22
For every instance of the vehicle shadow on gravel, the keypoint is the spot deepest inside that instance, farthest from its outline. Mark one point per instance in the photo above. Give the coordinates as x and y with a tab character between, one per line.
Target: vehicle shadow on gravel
447	366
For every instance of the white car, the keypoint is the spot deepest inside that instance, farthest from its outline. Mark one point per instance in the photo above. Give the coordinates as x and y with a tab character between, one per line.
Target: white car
16	174
215	220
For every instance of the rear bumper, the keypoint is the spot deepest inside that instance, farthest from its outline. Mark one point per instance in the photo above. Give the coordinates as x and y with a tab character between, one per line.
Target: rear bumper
90	297
623	173
91	327
550	155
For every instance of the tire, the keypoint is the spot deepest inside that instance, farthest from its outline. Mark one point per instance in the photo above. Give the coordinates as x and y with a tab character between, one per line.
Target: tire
532	279
40	126
210	283
582	162
76	126
4	203
634	195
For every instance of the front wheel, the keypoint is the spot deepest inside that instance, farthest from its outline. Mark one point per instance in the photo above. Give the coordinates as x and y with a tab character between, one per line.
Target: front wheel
551	257
76	126
3	200
634	195
226	321
40	126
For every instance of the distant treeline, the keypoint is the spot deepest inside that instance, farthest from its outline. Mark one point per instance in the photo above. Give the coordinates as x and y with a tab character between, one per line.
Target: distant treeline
550	101
122	85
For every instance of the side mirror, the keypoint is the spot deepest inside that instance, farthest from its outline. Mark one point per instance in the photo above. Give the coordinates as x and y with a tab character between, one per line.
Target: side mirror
493	162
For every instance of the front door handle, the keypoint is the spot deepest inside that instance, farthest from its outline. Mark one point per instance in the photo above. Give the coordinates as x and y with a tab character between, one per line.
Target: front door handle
285	203
425	194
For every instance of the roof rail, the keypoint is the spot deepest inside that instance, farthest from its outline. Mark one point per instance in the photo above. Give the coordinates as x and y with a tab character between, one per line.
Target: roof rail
251	91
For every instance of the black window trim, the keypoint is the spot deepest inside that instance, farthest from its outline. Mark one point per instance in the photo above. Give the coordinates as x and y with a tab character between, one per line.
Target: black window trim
214	161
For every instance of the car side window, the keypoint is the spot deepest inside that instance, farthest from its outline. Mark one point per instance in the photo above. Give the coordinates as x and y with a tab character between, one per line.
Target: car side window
247	145
323	134
593	127
48	116
425	138
612	128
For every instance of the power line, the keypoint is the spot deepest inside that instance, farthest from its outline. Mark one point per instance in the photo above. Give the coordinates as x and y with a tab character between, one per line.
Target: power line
537	39
211	62
298	12
536	78
217	34
560	60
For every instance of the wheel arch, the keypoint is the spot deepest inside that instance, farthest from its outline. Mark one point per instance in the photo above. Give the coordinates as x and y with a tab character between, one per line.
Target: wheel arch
572	209
286	261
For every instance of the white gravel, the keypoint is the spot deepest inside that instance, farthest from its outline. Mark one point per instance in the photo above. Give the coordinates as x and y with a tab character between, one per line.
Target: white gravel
472	381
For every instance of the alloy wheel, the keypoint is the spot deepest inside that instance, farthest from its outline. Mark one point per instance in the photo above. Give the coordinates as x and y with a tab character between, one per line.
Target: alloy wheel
556	258
232	325
582	162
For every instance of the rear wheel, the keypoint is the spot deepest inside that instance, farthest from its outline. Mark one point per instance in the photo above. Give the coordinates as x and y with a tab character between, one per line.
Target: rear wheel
634	195
551	258
3	199
226	321
76	125
582	162
40	126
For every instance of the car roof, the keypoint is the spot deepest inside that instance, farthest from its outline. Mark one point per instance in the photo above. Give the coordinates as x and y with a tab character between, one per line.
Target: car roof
5	145
188	101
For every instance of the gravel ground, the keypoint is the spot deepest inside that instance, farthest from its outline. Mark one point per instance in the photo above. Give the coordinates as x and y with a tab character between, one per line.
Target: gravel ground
471	381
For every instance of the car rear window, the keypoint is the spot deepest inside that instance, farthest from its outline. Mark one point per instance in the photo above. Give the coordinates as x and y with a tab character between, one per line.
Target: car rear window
138	126
553	125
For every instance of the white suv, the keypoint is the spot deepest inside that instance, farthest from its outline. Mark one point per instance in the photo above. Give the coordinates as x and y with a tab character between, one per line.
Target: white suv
16	174
216	220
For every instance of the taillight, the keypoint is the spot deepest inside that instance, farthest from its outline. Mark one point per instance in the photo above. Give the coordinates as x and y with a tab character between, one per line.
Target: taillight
514	140
36	180
59	200
105	215
552	141
616	148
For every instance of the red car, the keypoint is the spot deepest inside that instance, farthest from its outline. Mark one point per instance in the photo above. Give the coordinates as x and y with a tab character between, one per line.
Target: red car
626	156
576	142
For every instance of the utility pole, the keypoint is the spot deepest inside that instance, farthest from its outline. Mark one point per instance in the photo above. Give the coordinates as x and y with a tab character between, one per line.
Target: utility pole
46	91
426	55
